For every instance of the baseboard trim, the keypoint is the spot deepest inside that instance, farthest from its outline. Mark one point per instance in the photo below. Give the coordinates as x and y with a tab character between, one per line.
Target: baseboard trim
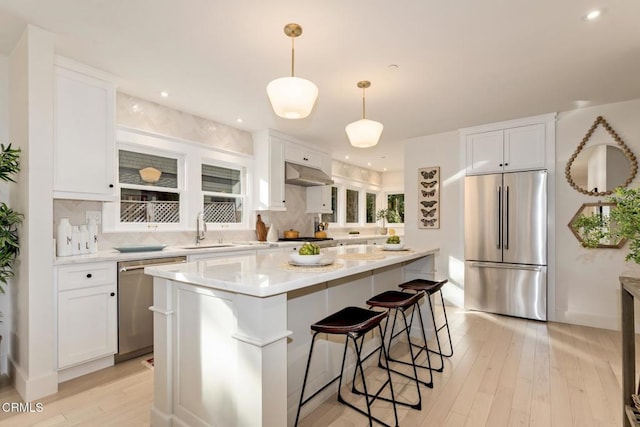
31	389
86	368
588	319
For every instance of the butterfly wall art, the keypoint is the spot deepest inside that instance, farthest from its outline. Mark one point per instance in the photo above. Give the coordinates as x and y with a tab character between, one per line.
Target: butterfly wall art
429	197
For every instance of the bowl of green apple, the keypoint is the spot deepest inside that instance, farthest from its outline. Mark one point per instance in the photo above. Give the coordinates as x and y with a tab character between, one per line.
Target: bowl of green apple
308	254
394	243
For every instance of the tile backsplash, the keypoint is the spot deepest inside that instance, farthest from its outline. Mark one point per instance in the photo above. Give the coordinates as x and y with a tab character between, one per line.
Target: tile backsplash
294	218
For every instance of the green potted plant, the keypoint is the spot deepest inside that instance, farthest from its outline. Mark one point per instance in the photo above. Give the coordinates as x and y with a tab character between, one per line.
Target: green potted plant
387	215
9	219
626	217
623	222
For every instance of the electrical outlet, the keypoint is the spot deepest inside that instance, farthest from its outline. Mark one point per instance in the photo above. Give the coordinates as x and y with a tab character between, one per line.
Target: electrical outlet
96	215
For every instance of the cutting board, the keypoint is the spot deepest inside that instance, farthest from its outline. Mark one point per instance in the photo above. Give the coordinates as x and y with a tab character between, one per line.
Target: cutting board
261	230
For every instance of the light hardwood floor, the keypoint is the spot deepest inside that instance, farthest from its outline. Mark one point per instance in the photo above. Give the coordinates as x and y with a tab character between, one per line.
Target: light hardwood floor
504	372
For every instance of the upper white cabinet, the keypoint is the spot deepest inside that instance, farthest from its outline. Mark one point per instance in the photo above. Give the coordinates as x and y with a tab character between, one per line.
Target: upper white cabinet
301	155
319	199
268	152
84	150
509	146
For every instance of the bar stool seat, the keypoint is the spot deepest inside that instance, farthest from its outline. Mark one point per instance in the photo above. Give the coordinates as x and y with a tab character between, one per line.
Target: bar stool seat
401	302
428	288
354	323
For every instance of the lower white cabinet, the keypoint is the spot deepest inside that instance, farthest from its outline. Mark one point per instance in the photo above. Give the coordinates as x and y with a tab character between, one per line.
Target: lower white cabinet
87	313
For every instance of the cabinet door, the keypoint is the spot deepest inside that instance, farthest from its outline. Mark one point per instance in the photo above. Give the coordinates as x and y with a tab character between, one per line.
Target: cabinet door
301	155
84	148
524	148
87	324
319	199
485	152
269	186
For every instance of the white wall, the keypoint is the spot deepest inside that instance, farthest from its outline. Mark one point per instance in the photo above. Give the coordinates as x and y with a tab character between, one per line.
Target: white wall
587	288
586	280
441	150
5	307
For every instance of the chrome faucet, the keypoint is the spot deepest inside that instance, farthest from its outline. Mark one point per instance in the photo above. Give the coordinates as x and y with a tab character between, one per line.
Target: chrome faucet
200	234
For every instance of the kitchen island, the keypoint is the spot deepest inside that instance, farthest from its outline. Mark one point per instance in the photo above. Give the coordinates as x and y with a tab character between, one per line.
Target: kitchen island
231	335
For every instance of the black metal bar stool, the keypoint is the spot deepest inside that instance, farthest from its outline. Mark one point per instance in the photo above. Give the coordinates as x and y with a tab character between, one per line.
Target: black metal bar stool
400	302
354	322
430	287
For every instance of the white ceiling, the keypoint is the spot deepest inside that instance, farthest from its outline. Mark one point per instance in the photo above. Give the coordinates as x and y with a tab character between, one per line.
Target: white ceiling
460	62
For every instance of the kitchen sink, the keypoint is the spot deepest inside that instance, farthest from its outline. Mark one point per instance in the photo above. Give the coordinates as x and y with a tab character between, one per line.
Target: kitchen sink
210	246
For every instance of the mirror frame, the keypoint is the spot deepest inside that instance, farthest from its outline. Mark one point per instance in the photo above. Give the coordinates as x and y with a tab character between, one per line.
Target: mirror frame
627	152
620	243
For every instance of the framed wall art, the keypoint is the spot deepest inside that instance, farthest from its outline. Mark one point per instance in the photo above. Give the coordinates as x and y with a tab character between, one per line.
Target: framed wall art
429	197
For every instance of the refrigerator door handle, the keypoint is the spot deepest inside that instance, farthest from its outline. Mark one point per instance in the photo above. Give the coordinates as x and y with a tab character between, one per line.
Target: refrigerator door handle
499	239
507	266
506	219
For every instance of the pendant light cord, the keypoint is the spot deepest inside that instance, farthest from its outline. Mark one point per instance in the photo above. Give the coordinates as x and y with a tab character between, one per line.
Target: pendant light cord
293	54
363	89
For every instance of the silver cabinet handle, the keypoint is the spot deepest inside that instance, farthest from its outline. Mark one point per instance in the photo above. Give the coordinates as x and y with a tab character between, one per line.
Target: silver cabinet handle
140	267
506	219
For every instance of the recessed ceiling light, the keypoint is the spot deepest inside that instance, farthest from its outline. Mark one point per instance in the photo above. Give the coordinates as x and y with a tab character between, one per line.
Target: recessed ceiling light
384	169
346	157
594	14
164	94
368	163
239	120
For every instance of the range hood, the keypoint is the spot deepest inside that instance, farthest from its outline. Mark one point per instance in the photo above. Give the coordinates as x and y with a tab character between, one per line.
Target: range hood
305	176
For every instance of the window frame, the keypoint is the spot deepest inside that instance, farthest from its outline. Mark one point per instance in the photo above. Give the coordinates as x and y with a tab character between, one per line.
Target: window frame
192	155
242	225
180	190
386	195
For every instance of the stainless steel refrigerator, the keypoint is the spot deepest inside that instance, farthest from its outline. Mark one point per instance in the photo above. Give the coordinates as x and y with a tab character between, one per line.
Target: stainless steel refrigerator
505	243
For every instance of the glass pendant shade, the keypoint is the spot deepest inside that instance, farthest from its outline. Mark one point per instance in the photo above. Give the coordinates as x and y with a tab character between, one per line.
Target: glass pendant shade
364	133
292	97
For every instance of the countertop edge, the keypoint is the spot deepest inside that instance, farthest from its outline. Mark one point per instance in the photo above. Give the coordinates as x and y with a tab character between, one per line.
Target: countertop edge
179	274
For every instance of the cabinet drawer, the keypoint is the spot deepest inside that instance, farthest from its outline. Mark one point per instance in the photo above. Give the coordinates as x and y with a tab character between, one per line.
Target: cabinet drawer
85	275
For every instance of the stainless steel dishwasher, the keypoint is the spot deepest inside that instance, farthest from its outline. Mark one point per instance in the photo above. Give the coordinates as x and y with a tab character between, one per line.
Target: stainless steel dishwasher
135	296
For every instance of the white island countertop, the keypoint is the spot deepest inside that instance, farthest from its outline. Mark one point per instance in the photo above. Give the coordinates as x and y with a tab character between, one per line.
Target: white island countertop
269	274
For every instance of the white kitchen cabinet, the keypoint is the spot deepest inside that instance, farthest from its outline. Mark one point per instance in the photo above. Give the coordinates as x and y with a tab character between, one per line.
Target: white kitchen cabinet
505	150
319	199
380	241
87	326
300	155
84	143
269	186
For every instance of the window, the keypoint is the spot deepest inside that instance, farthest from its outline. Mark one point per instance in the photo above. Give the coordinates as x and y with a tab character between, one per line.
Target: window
332	217
149	188
352	206
395	203
371	208
223	194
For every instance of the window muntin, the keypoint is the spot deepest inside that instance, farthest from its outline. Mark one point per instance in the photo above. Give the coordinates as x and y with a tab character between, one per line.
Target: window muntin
370	208
395	203
352	206
149	188
223	194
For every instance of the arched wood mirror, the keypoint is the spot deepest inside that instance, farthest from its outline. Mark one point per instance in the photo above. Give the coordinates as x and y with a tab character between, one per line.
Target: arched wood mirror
601	168
593	228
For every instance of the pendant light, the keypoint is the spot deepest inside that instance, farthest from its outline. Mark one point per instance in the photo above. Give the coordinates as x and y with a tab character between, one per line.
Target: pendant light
292	97
364	133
